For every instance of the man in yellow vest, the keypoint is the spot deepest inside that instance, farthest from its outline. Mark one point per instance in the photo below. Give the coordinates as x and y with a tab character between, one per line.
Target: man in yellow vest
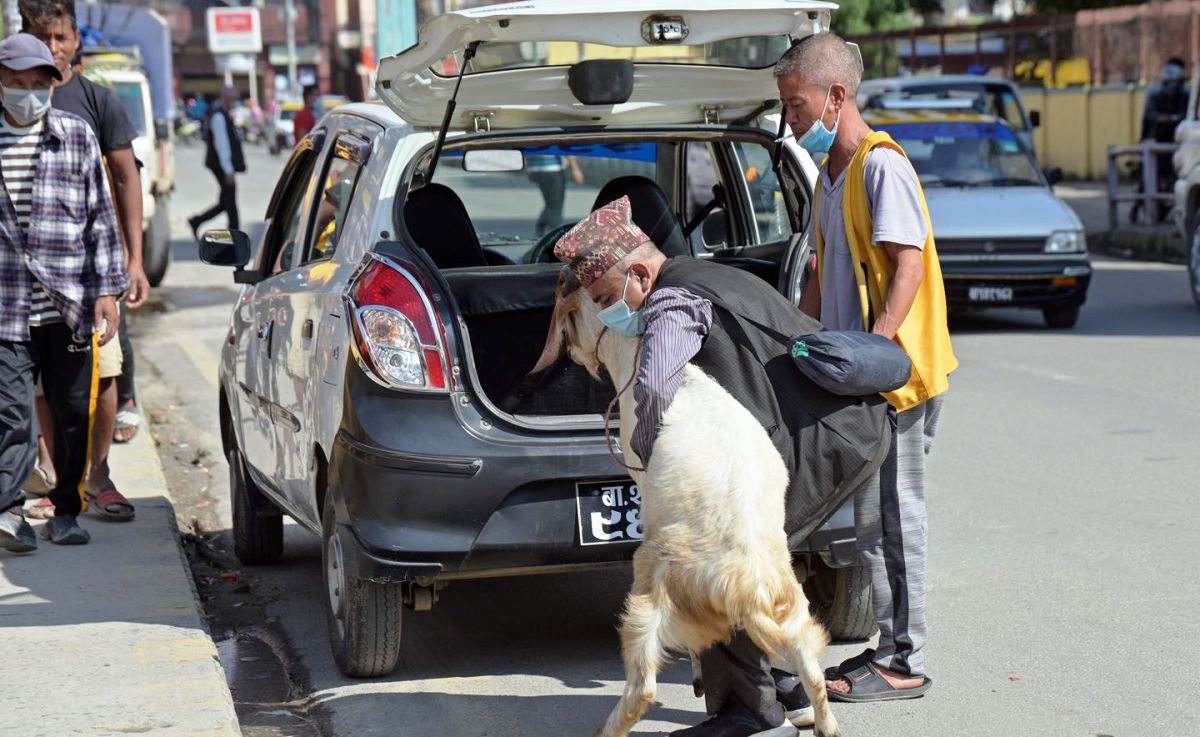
877	270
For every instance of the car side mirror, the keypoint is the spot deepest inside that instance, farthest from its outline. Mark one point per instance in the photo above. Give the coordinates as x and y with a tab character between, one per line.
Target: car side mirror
162	130
1035	119
1054	175
228	248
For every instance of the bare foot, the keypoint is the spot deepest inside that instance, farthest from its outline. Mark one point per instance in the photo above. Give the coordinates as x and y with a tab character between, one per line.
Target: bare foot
895	680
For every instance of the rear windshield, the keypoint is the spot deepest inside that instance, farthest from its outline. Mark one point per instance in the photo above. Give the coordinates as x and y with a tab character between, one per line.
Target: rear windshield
962	154
753	52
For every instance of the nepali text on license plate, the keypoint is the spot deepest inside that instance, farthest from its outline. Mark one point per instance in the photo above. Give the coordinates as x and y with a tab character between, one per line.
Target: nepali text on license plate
609	512
990	294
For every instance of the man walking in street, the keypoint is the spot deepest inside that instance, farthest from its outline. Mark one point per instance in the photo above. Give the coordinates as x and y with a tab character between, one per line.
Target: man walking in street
225	160
62	269
877	270
306	117
54	23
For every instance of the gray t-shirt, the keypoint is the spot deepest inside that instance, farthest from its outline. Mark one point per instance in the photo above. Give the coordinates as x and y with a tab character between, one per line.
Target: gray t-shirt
893	195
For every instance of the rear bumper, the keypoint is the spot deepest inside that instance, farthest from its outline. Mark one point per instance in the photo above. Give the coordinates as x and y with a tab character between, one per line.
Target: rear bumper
502	504
1034	283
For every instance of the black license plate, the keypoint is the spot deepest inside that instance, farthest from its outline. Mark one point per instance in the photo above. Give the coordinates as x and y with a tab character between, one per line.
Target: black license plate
609	512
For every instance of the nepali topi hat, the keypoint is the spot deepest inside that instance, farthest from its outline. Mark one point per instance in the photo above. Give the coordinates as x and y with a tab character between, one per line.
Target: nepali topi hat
600	241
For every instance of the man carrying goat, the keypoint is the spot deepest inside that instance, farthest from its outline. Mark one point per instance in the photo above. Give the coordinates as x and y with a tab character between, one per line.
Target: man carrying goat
734	327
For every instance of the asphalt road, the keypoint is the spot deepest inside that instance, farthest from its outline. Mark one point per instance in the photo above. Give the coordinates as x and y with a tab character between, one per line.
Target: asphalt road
1063	512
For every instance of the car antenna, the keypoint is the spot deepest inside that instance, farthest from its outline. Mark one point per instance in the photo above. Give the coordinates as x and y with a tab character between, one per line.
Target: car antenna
468	55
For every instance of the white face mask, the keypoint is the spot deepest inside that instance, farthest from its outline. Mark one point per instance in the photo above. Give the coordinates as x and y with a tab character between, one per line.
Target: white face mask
26	107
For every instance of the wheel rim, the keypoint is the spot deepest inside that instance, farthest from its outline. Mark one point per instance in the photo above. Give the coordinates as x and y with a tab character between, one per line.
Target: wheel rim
335	581
1194	263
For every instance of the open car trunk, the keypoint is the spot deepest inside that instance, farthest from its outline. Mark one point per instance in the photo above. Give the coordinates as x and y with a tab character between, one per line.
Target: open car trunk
507	311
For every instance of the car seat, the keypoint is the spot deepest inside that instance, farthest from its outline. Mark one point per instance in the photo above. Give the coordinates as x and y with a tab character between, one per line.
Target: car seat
651	211
438	222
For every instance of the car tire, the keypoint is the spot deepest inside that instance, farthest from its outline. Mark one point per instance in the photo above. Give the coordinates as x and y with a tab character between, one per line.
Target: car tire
841	599
1194	260
363	617
257	537
1061	317
156	243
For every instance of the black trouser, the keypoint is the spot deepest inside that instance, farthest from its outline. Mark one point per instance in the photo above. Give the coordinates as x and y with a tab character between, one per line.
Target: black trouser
226	202
125	390
738	670
554	191
66	367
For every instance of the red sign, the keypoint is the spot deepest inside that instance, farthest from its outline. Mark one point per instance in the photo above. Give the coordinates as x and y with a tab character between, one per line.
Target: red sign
235	23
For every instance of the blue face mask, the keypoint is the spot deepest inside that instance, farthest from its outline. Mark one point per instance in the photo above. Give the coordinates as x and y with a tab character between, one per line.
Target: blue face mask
620	318
818	139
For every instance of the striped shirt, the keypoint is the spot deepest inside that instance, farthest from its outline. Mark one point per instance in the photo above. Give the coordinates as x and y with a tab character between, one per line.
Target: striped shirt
677	323
19	152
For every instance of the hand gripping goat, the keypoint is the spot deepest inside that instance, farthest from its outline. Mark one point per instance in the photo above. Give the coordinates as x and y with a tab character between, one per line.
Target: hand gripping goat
715	556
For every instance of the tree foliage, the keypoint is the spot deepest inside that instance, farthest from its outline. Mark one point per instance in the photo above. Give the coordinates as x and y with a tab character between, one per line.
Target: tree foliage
870	16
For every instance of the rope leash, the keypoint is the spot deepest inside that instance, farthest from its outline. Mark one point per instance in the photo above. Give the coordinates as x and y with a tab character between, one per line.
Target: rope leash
608	411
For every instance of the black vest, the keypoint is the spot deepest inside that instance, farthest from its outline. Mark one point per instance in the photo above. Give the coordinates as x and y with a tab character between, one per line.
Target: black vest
830	444
211	160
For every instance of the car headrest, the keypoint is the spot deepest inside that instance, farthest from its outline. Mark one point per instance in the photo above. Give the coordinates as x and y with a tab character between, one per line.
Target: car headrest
438	221
651	211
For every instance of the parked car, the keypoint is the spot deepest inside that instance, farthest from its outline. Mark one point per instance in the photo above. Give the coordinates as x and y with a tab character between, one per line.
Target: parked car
1003	238
374	381
987	96
1187	186
281	128
154	147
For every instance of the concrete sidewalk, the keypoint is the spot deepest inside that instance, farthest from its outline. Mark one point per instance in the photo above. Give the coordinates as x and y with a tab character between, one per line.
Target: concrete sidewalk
107	638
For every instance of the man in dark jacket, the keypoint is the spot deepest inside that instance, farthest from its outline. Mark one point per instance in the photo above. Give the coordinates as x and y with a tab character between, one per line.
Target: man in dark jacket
225	160
735	326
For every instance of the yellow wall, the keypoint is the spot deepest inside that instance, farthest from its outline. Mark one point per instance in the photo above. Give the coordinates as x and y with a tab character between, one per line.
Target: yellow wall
1079	124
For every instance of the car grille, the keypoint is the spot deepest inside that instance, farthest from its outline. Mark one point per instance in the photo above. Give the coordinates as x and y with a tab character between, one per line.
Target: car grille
991	245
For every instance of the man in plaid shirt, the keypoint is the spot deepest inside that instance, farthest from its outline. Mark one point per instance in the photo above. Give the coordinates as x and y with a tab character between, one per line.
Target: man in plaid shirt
62	269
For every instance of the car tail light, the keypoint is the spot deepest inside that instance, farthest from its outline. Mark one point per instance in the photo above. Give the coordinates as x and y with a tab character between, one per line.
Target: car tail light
398	335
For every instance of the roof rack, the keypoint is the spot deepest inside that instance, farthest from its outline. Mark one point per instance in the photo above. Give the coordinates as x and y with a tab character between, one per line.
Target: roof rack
904	103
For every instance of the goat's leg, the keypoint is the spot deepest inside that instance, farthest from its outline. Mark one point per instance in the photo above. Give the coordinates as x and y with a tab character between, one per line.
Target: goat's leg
806	639
802	638
641	649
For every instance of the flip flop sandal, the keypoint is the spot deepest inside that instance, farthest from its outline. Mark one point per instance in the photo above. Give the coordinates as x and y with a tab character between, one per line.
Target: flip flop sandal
111	505
41	509
866	685
835	672
127	419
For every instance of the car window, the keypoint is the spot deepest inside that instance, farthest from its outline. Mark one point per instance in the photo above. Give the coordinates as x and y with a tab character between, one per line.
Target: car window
285	232
511	211
337	190
770	217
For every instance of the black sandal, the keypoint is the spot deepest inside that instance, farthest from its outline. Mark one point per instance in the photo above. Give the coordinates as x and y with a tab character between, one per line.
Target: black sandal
835	672
867	685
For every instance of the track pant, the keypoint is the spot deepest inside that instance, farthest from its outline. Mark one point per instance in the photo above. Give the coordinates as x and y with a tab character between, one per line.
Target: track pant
889	521
226	203
68	372
553	185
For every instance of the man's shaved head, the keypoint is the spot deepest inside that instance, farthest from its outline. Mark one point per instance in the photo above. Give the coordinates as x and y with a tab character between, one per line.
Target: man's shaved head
823	59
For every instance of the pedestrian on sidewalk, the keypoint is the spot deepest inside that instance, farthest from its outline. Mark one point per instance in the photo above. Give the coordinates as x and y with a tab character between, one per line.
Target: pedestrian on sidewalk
225	160
876	270
54	23
59	286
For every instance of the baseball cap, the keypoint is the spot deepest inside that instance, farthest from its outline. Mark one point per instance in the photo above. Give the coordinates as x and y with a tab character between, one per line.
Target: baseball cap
22	51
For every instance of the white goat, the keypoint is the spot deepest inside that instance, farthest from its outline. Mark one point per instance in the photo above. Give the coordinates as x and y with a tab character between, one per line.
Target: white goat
715	556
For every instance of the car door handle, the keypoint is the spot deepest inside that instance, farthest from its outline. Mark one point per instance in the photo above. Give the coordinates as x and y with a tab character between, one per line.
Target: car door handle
306	330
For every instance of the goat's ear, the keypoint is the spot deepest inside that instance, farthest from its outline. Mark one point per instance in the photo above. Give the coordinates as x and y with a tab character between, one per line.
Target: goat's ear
565	302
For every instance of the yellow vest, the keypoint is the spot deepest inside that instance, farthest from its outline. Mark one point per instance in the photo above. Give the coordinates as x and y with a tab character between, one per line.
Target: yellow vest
923	335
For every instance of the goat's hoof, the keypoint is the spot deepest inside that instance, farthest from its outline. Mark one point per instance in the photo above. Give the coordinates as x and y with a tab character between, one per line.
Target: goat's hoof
828	731
698	688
